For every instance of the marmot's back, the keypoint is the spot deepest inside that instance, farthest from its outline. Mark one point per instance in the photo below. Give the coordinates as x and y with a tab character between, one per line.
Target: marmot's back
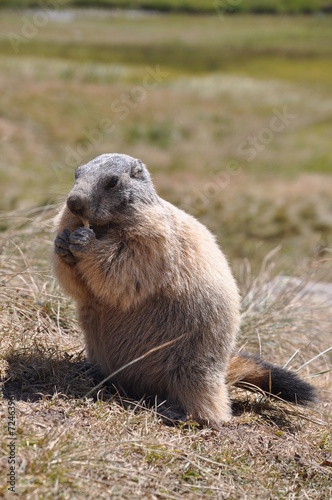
200	262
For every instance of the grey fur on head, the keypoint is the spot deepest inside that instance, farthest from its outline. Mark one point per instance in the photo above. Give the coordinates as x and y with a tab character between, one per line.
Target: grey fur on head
110	188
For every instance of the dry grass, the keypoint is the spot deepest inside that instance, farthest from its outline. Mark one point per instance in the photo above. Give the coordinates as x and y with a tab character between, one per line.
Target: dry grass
69	446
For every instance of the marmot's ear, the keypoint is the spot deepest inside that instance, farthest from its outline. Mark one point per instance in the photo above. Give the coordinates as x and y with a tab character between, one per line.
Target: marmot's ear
136	169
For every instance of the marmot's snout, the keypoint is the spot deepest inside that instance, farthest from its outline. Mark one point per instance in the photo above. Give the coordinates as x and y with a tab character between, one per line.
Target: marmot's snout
77	204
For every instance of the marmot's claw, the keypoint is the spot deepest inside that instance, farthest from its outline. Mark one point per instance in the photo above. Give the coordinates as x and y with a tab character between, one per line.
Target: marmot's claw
80	239
81	236
62	240
61	245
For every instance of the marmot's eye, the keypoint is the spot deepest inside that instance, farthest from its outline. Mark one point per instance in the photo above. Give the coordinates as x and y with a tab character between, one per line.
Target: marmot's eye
112	182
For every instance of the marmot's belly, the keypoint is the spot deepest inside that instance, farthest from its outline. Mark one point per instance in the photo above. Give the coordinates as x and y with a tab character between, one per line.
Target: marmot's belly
116	339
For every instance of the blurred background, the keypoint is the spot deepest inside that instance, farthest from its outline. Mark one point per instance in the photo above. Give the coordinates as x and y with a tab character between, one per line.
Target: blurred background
229	103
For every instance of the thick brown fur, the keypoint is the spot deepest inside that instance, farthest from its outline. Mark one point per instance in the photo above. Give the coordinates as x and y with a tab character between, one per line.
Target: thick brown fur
146	273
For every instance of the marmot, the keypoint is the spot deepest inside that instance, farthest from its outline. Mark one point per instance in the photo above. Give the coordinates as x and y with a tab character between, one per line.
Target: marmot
145	273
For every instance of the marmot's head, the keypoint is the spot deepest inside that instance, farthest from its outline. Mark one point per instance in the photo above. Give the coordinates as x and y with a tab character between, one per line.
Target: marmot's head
110	188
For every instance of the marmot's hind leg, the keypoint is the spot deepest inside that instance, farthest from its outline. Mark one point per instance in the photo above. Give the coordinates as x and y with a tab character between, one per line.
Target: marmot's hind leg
206	403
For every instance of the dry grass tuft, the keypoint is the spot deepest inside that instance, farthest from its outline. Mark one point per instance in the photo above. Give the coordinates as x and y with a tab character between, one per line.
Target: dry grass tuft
69	446
289	315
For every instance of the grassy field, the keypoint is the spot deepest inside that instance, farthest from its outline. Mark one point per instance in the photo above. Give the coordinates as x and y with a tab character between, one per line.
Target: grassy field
233	116
188	103
189	6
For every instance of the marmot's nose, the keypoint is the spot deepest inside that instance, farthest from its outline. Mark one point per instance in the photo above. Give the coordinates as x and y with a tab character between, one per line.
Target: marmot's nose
76	204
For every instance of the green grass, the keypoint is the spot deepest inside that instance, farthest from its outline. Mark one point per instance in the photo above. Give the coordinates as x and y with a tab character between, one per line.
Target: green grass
192	6
219	83
207	44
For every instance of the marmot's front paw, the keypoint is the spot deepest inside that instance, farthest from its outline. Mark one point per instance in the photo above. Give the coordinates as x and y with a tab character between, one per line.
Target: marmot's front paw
62	249
80	240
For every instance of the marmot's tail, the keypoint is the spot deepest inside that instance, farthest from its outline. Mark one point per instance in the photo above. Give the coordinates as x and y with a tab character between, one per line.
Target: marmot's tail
252	370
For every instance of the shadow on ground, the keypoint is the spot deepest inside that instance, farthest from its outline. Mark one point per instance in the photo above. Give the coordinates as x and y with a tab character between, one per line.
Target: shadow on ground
34	375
